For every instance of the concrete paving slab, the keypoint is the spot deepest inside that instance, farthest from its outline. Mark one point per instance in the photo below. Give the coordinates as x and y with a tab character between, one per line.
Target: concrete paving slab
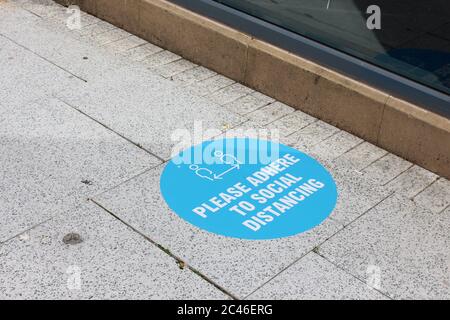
239	266
362	156
95	29
446	213
292	123
23	85
160	58
88	20
125	45
250	129
248	103
262	97
387	168
22	95
148	112
60	48
401	247
24	206
141	52
356	193
11	54
310	135
56	14
412	182
27	77
230	94
436	197
270	113
44	9
111	36
111	262
335	146
12	15
174	68
210	85
315	278
52	152
193	75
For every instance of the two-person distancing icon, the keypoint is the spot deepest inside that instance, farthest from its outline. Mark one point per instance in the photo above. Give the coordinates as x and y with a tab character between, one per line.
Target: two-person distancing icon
227	159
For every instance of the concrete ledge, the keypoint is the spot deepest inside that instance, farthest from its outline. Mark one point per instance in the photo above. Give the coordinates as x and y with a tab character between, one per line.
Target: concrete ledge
416	134
400	127
313	89
195	38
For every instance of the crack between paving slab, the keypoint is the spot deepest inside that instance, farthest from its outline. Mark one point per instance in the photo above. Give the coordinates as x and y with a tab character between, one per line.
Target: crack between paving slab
153	68
45	59
435	181
259	108
163	161
443	210
315	249
353	276
29	11
304	127
398	175
168	252
358	217
351	149
423	189
141	45
125	181
317	142
208	95
106	44
105	126
339	131
429	185
372	162
276	275
25	231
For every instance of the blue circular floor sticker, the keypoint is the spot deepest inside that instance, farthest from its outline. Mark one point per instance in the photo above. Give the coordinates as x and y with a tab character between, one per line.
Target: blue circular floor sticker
248	188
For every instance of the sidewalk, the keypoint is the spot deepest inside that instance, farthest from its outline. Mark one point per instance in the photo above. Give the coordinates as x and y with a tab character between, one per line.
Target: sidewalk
86	123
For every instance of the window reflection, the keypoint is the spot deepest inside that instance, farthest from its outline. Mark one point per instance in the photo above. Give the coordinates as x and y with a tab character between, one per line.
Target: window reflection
414	38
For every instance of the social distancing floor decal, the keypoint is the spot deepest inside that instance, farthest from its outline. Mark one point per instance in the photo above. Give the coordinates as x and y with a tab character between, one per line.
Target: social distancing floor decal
248	188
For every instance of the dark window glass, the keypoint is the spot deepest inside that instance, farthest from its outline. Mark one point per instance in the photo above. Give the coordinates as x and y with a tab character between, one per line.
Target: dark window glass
410	38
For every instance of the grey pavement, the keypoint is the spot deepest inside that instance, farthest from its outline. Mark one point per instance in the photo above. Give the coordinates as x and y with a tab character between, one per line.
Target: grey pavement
86	128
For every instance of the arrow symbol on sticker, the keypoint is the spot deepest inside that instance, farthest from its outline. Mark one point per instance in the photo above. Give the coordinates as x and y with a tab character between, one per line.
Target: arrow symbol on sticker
219	176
